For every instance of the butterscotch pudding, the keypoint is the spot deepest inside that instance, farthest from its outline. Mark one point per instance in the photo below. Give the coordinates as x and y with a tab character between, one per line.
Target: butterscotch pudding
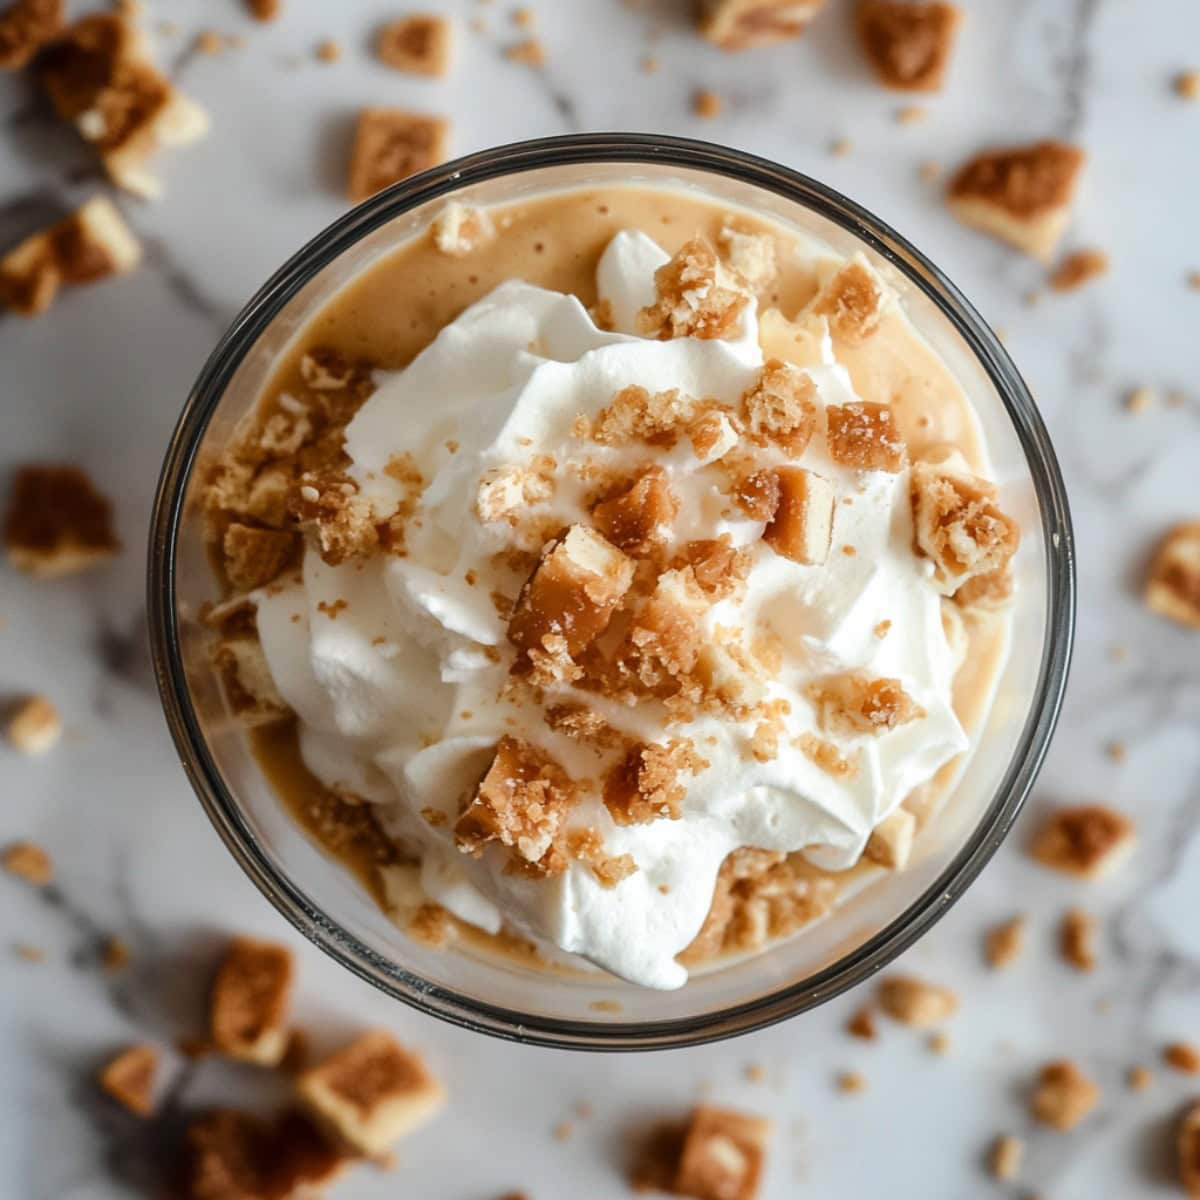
611	573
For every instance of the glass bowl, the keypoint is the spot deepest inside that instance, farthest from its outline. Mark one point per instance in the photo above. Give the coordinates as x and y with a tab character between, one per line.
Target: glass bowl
586	1011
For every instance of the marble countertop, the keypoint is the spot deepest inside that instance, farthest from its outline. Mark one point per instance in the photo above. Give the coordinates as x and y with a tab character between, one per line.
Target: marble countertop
101	381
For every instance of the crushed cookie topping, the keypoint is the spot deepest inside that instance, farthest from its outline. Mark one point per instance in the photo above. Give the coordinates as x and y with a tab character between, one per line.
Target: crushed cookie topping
639	517
757	494
781	408
341	523
865	436
587	846
958	525
647	784
521	802
571	596
827	756
852	302
694	297
459	230
253	557
750	256
505	492
718	569
636	415
855	704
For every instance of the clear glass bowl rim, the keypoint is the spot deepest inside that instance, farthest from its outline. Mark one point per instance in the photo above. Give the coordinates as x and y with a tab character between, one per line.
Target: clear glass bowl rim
221	805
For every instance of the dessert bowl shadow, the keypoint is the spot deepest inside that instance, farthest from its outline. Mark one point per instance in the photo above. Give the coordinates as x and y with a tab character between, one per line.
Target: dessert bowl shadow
583	1010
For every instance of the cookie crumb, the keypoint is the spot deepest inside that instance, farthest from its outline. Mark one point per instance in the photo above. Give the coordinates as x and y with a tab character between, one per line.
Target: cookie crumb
940	1043
28	861
129	1079
851	1082
1183	1056
34	727
1004	1158
58	523
862	1025
1139	1078
1077	939
841	147
29	953
529	53
328	51
1173	585
916	1003
707	104
911	114
908	45
115	954
1140	399
1187	85
1089	841
1005	943
418	44
391	144
1078	268
1063	1096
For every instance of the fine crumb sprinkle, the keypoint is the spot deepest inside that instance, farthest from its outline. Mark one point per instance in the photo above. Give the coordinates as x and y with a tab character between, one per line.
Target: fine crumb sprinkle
1187	84
329	51
1078	268
115	954
530	53
841	147
1183	1056
862	1025
851	1082
1140	399
940	1043
911	114
707	104
1139	1078
29	862
1004	1159
1005	943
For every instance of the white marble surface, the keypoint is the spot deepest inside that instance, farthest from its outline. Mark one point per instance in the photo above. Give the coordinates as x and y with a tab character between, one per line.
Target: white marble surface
101	381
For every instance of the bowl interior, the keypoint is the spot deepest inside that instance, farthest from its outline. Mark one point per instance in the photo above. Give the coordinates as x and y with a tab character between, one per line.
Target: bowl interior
590	1009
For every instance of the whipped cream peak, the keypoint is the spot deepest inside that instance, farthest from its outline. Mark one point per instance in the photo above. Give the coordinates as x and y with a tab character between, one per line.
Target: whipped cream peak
650	609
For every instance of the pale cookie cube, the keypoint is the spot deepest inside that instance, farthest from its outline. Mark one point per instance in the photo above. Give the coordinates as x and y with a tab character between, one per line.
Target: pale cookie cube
92	244
908	45
746	24
249	687
371	1093
723	1155
1021	195
418	44
99	76
891	841
958	525
572	593
35	726
852	301
751	256
696	297
802	526
57	523
915	1002
1187	1145
391	144
459	230
248	1007
865	436
1089	842
1173	586
1063	1096
640	516
129	1079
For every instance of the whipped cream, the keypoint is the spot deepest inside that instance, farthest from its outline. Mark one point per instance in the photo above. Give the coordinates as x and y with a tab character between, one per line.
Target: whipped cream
400	690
